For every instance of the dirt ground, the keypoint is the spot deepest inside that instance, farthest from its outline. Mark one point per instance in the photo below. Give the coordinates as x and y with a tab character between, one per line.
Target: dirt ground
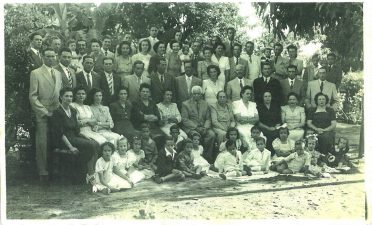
260	197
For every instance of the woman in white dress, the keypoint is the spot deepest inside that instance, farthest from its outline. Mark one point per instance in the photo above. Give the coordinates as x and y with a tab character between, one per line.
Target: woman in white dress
213	85
245	112
222	61
169	114
143	55
85	117
102	115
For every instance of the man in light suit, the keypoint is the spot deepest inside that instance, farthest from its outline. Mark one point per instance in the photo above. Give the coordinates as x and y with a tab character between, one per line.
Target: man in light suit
334	72
133	82
321	85
45	84
292	84
234	86
68	74
106	45
183	84
254	61
88	78
311	71
292	60
196	117
280	63
153	38
161	81
236	60
110	82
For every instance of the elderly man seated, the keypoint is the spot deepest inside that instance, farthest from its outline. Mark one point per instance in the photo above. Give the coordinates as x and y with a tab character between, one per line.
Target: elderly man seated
196	117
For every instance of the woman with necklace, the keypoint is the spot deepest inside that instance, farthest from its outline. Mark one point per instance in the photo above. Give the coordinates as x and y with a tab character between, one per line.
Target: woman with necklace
121	112
294	116
212	85
102	115
66	133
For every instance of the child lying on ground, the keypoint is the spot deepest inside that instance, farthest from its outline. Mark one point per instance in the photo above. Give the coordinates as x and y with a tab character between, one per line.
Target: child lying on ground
229	163
166	164
108	177
258	159
298	161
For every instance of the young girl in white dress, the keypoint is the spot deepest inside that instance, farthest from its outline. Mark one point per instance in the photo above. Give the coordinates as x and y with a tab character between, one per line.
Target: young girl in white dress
197	152
138	169
283	146
108	178
120	157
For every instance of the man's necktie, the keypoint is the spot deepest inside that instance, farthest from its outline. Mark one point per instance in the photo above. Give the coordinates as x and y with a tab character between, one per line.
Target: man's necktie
69	77
38	54
321	86
237	60
250	58
265	80
241	84
188	84
291	84
106	53
89	83
53	75
111	84
276	59
162	79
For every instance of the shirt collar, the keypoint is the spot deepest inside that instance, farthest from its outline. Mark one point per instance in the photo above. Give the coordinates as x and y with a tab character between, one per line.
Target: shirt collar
86	74
107	74
35	50
188	77
289	79
167	153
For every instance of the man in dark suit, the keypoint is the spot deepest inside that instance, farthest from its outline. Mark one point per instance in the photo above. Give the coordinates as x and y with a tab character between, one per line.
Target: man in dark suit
280	63
196	117
292	84
34	57
68	74
183	84
230	42
161	81
195	56
45	84
334	72
261	84
237	60
110	82
88	78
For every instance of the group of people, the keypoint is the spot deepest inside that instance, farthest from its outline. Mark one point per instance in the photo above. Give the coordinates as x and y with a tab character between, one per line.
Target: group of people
170	110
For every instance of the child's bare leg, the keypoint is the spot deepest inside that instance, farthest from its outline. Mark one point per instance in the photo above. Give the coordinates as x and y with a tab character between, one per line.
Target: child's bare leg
198	169
287	171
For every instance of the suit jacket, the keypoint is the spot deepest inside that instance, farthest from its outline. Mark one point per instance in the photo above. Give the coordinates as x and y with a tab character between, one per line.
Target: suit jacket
109	53
233	88
165	164
154	61
191	118
233	66
182	94
158	88
328	88
194	62
80	81
33	60
298	88
334	75
98	63
281	66
309	74
65	81
107	97
259	87
131	83
44	91
229	48
298	63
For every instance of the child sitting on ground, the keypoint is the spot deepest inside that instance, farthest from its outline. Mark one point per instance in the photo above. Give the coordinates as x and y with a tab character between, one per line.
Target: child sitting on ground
258	159
108	177
120	157
298	161
177	138
229	162
139	170
316	166
255	133
166	163
149	147
197	152
337	157
233	134
283	146
184	161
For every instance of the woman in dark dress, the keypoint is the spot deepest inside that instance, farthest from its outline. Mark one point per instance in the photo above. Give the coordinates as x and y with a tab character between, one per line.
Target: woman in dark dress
270	119
322	119
121	112
145	111
66	133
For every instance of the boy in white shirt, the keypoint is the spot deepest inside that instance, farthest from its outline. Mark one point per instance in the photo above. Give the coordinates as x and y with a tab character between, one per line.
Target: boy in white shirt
258	159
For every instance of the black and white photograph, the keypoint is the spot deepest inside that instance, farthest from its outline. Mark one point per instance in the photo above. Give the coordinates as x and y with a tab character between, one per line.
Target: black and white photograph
196	111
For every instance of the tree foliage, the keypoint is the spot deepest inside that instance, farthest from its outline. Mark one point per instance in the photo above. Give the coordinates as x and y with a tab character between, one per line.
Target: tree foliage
342	23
